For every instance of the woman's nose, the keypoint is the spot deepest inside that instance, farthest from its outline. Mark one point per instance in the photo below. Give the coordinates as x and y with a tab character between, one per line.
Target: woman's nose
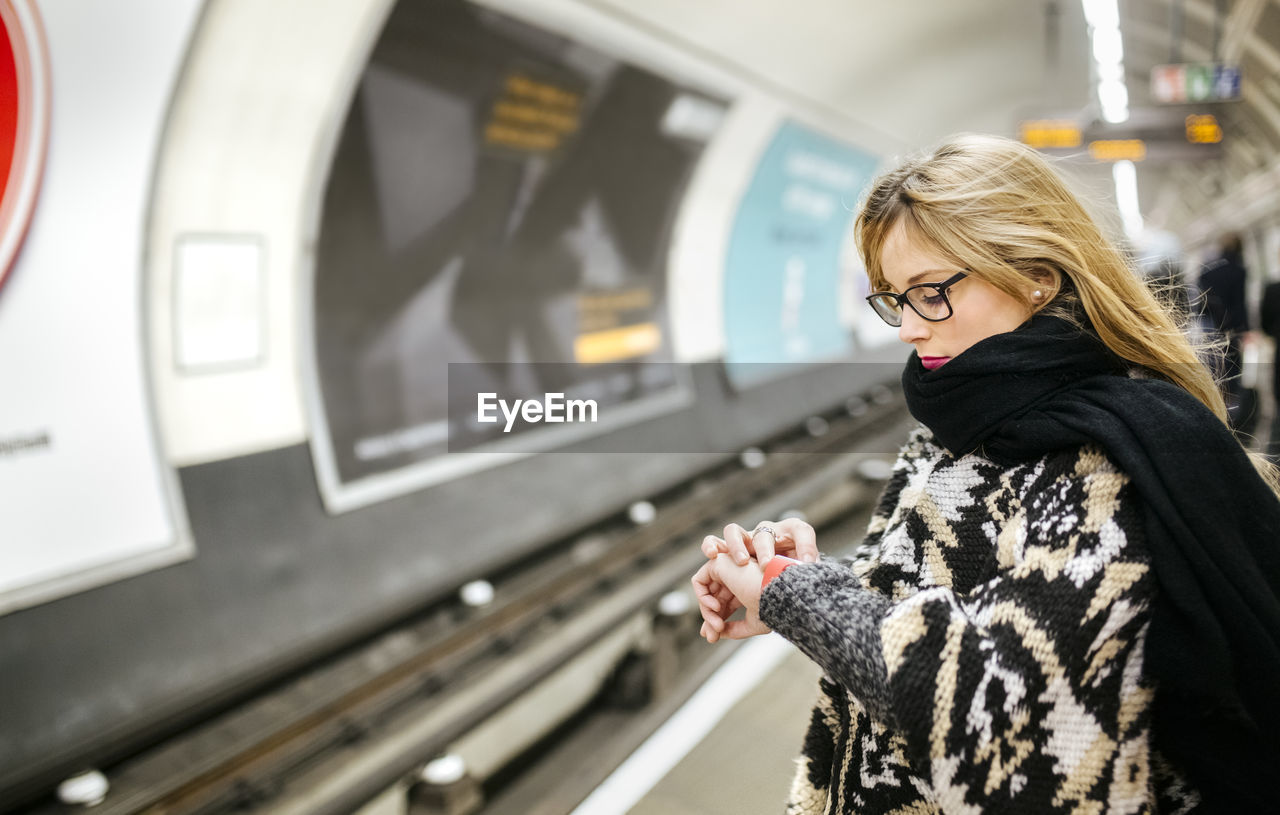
914	327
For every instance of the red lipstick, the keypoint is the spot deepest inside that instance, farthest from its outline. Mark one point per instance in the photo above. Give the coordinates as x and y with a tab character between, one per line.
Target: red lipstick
933	363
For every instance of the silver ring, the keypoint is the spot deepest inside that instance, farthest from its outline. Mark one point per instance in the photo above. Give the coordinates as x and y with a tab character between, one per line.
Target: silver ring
768	529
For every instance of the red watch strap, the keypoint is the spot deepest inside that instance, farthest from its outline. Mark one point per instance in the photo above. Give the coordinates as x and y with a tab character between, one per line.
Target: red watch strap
777	565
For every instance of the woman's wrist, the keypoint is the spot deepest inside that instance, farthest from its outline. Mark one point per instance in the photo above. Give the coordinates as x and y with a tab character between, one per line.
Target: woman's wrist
776	566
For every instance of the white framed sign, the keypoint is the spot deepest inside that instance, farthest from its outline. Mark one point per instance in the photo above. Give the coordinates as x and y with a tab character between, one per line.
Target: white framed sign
86	496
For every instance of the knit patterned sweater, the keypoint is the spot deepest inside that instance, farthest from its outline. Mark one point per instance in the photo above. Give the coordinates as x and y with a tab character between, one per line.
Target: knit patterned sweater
990	657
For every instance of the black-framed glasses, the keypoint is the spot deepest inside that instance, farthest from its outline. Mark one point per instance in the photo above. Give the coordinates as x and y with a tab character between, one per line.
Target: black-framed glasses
929	300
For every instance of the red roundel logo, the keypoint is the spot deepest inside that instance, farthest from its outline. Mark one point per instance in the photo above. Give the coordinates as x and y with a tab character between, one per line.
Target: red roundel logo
24	122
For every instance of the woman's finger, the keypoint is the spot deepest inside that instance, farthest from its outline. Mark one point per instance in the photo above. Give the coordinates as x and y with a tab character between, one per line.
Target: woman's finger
712	546
711	619
713	597
714	625
709	602
724	596
717	626
705	582
798	537
722	600
737	539
764	540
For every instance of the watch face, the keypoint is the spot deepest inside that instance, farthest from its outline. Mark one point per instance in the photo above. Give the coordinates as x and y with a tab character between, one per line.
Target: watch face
24	122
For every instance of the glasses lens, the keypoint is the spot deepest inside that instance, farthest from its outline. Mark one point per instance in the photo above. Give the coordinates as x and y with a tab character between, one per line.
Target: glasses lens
887	307
930	302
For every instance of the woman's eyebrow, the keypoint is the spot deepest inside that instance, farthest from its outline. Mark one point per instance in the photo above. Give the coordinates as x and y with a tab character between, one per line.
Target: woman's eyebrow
919	277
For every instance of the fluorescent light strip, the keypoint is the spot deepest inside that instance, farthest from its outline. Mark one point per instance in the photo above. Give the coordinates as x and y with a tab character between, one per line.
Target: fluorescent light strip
1103	17
1102	13
1126	178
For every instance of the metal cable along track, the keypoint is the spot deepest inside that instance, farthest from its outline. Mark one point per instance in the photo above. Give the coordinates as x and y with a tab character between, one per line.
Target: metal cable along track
330	740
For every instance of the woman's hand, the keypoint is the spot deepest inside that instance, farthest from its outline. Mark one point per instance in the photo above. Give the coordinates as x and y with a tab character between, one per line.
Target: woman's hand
722	587
715	602
791	536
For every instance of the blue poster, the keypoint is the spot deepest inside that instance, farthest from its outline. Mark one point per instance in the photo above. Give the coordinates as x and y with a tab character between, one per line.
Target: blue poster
782	275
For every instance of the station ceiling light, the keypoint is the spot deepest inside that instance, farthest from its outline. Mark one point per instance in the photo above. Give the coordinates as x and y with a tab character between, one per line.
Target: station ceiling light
1103	17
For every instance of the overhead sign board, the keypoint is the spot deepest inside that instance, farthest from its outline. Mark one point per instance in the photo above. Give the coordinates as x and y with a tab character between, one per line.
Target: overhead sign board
1050	133
1195	82
1203	129
1117	149
1149	134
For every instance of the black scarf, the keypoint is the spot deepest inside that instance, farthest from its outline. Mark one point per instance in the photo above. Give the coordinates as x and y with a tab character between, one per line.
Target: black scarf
1212	527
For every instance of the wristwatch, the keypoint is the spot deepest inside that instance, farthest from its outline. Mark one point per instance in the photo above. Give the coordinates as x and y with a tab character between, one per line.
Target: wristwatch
777	565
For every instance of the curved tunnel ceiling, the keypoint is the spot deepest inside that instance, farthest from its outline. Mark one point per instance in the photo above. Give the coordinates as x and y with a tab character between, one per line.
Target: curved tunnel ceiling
919	71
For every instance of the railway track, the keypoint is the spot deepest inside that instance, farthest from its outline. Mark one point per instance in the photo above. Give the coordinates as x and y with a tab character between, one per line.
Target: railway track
331	739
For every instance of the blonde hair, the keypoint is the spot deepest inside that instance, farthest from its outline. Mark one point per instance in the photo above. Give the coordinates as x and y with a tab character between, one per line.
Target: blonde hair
997	208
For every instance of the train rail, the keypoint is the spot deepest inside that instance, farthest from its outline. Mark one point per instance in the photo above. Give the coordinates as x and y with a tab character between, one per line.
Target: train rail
331	739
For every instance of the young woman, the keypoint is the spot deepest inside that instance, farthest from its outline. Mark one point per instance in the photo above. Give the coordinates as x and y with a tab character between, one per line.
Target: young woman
1075	606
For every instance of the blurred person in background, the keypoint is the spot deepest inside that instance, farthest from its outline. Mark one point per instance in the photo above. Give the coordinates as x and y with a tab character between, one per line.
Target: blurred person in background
1222	284
1159	259
1075	603
1269	316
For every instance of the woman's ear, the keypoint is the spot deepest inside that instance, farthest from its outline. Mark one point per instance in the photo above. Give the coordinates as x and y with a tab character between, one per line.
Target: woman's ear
1044	287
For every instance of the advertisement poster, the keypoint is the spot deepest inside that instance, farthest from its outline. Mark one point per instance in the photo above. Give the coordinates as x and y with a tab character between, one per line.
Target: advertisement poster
85	496
786	272
501	199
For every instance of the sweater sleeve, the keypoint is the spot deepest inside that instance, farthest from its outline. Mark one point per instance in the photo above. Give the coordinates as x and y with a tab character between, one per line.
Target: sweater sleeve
823	609
1024	694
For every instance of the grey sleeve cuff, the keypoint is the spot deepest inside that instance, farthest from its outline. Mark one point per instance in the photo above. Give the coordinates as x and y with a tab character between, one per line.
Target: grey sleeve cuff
824	610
